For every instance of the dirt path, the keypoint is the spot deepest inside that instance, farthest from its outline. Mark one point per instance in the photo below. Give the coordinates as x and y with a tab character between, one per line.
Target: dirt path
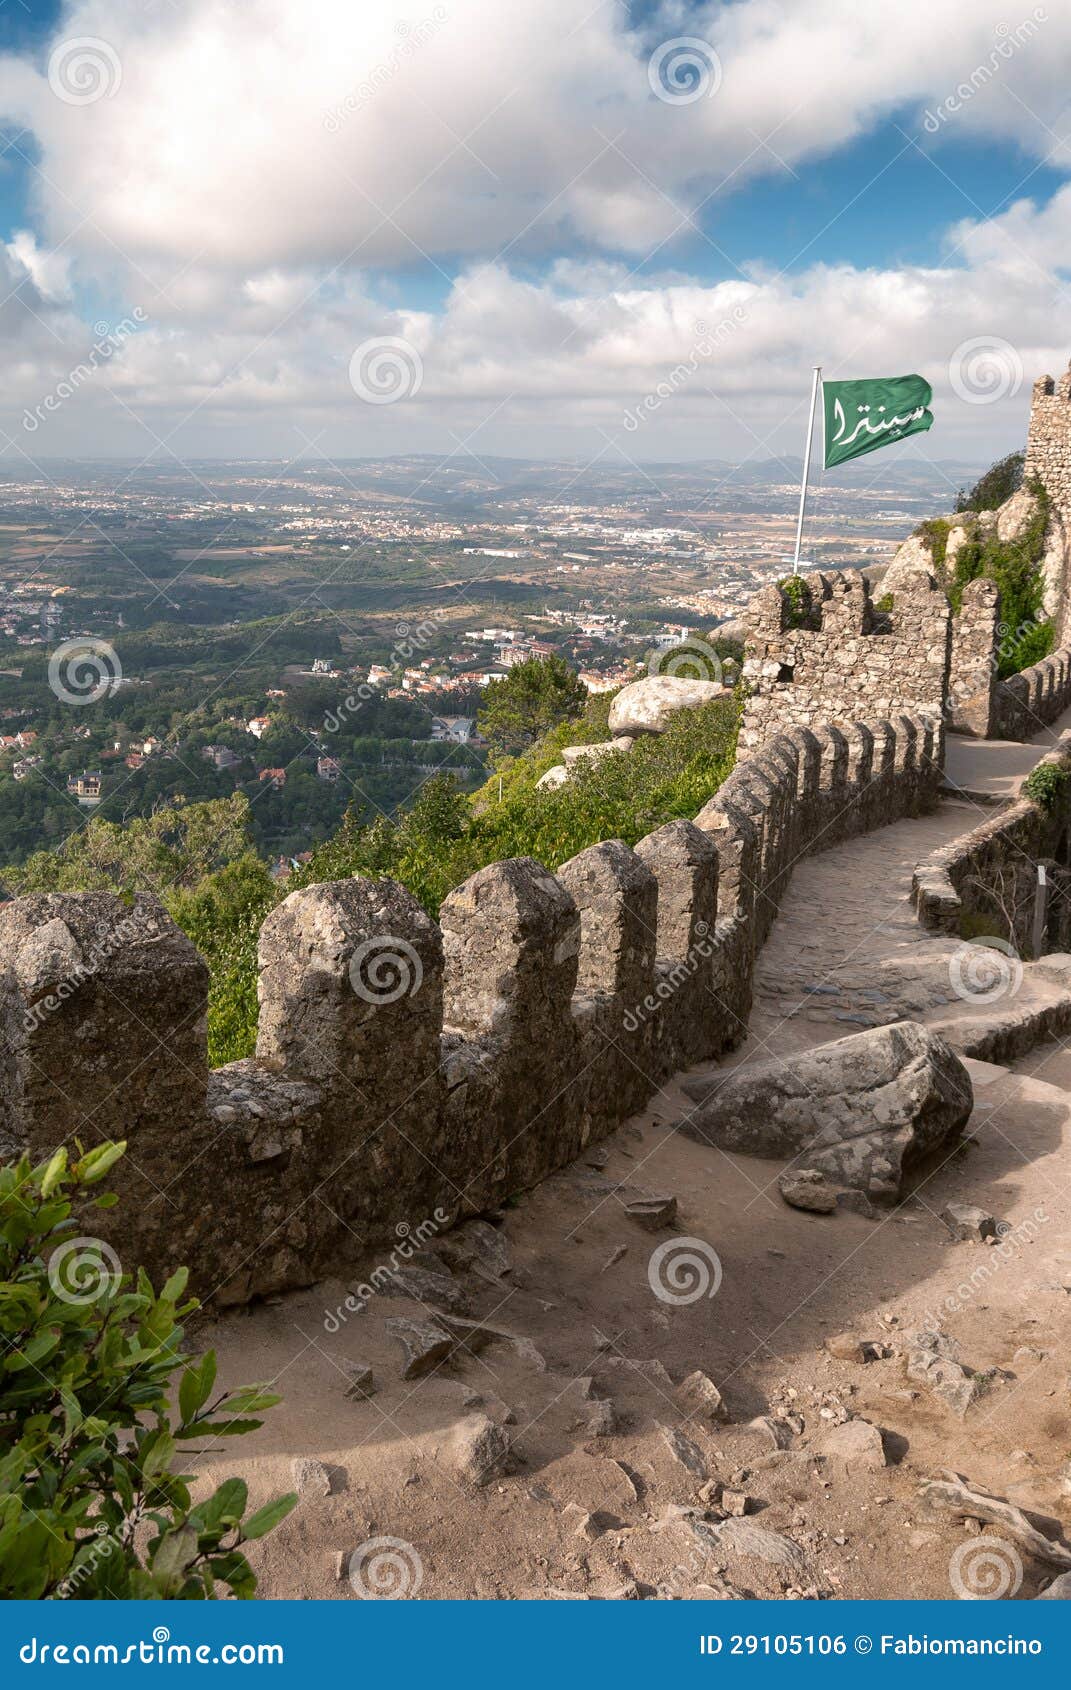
591	1499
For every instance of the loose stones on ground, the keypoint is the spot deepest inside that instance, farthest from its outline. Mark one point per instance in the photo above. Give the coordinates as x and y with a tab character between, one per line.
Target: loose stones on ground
967	1222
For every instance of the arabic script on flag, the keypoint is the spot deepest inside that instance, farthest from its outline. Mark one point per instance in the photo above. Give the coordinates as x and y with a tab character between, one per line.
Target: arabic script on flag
861	416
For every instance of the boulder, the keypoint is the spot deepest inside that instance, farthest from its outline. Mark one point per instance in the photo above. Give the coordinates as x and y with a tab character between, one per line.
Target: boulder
434	1290
645	707
573	754
310	1477
862	1109
699	1395
1016	514
682	1449
807	1188
856	1442
359	1380
743	1537
424	1346
931	1361
557	776
652	1212
912	559
1059	1590
475	1451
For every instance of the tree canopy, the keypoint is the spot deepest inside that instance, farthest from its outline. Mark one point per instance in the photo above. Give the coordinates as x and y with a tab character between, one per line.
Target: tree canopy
525	704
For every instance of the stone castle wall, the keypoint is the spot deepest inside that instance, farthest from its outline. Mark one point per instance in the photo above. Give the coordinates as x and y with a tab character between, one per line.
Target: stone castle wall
1048	459
848	661
1033	699
407	1068
980	704
987	880
1048	442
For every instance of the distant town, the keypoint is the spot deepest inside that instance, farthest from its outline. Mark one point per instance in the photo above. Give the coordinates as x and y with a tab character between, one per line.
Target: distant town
319	636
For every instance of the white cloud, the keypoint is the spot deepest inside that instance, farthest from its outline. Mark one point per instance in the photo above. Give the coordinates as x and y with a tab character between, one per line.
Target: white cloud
48	271
273	133
526	367
261	172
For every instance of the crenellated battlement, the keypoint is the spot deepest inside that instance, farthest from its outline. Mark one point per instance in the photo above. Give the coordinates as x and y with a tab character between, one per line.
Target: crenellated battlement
843	660
406	1066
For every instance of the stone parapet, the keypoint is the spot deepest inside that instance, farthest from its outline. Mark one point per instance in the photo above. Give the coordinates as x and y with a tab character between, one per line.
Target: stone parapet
843	661
407	1068
987	881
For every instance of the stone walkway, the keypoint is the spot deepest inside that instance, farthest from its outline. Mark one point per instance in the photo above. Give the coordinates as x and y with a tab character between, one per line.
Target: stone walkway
997	765
846	950
587	1376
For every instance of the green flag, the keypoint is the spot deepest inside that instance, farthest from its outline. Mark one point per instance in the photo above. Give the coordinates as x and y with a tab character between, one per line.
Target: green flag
860	416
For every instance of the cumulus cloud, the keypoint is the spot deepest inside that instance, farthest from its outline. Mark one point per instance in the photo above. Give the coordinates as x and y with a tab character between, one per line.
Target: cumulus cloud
515	365
255	176
271	133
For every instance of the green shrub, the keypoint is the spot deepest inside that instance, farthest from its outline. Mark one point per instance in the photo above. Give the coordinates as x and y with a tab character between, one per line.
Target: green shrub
533	698
90	1505
1015	567
935	531
999	482
800	600
1047	784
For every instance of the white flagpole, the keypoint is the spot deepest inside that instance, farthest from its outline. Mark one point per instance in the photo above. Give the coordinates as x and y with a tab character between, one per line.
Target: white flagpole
806	469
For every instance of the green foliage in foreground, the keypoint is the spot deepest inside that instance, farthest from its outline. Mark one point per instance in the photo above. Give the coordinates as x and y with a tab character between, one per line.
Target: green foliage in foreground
90	1504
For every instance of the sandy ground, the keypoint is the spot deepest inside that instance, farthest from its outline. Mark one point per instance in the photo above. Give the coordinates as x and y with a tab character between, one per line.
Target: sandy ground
594	1501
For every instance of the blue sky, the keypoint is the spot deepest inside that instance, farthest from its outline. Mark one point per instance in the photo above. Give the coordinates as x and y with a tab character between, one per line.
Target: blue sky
536	221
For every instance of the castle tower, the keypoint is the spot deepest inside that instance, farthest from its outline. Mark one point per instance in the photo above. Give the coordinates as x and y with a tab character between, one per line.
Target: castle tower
1048	458
1048	444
